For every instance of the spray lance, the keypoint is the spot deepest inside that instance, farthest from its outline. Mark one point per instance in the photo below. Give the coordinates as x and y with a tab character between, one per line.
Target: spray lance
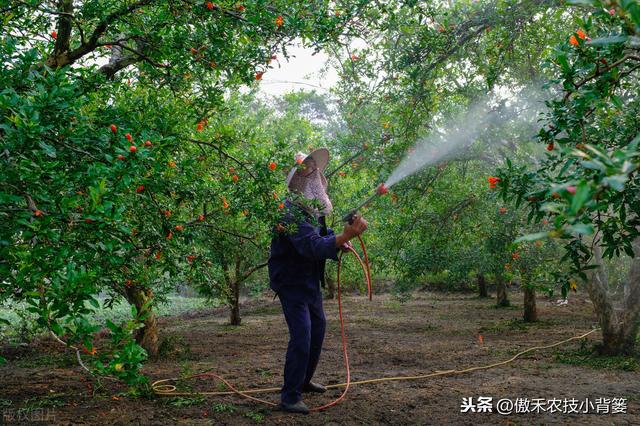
380	190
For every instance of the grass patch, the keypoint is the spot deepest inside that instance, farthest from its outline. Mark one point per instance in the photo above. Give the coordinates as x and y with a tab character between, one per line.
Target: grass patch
256	417
516	324
53	400
180	401
57	360
267	310
23	323
224	408
393	305
587	357
228	328
264	372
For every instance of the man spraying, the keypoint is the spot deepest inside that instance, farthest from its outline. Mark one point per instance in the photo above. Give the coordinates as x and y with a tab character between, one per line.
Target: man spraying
296	268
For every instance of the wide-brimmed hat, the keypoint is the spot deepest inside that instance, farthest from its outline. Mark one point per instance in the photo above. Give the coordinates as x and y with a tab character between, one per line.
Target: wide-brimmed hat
321	158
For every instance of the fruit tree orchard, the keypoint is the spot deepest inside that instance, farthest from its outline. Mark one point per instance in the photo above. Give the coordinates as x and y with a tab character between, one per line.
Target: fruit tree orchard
131	162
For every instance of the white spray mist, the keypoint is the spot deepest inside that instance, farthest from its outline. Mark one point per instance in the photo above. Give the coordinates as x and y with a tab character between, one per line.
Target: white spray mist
463	130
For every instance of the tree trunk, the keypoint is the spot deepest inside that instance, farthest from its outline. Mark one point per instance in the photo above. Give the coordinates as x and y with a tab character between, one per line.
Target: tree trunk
234	297
331	287
619	329
147	336
631	313
502	300
234	305
482	286
530	311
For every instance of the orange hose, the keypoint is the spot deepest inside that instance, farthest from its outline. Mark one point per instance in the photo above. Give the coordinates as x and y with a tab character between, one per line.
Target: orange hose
366	262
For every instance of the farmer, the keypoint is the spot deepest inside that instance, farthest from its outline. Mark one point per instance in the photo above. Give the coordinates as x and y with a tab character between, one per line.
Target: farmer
296	268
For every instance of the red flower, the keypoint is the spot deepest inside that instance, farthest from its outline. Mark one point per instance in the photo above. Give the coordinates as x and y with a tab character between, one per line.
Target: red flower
210	5
200	126
550	147
179	228
133	149
37	213
201	218
190	259
147	143
281	206
279	21
571	189
113	128
259	75
235	178
140	189
158	255
515	256
354	57
129	137
612	12
240	7
272	166
502	210
121	157
54	34
573	41
581	34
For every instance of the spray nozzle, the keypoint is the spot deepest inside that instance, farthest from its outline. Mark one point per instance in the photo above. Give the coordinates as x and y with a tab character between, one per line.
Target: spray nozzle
381	189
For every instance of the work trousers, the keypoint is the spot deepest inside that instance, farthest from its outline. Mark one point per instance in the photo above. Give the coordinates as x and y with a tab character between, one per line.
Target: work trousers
304	314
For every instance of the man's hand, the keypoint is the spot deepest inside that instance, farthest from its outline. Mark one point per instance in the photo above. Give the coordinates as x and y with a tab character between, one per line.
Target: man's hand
356	227
351	230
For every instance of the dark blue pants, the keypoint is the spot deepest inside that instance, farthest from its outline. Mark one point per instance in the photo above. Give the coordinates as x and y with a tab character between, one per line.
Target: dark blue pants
303	311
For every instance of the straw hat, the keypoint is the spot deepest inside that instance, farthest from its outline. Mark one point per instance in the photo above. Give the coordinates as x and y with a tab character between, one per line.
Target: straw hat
321	158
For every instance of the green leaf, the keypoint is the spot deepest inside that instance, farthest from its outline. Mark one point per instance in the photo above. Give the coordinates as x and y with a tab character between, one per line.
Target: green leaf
583	193
602	41
111	326
582	228
48	149
94	302
594	165
616	182
633	145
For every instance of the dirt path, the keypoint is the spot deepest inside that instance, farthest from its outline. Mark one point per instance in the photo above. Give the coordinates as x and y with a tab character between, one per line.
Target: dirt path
433	331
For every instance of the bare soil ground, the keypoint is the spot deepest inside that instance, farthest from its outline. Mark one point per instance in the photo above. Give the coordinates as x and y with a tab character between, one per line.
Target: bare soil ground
433	331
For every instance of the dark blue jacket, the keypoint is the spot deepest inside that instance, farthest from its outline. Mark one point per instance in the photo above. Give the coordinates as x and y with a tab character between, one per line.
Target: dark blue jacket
298	255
